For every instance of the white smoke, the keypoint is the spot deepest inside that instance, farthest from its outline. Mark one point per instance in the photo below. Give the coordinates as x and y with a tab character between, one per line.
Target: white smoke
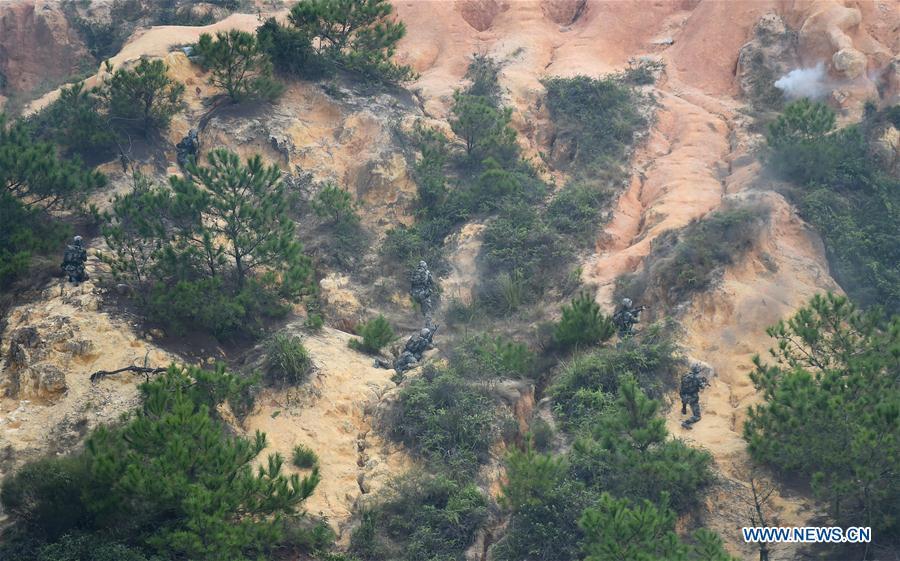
811	83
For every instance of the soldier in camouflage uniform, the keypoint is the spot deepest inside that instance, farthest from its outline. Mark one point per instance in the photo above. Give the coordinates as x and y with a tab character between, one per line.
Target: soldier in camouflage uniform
691	384
188	148
626	317
422	288
74	259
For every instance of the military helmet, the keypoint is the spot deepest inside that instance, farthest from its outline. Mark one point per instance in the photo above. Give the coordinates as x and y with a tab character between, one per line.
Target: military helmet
425	332
627	302
696	368
423	264
77	240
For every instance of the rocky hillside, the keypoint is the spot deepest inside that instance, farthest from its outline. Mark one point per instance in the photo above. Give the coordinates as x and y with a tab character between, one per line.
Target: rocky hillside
716	63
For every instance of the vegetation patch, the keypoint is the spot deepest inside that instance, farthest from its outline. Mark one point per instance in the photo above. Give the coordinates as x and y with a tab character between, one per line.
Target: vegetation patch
376	333
684	262
287	360
419	517
845	193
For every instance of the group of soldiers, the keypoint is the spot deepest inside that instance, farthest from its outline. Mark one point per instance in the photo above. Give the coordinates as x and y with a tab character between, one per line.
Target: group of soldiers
422	290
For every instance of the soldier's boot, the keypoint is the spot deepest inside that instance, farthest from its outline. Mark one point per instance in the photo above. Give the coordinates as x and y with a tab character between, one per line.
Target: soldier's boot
695	415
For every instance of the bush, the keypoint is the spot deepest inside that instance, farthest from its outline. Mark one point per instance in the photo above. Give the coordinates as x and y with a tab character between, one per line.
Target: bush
25	233
376	333
582	323
239	66
684	262
445	420
484	129
545	503
290	50
618	529
405	246
287	360
420	517
358	36
144	97
170	480
575	211
598	116
584	389
482	357
78	123
834	386
217	251
304	457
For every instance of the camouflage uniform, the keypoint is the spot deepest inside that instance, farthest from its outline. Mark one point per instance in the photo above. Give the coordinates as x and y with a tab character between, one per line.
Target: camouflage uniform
691	384
188	147
74	258
422	288
626	317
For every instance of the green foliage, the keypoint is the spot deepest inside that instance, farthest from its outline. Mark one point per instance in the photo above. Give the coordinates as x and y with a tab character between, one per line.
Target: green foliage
144	97
287	360
239	65
77	122
445	420
684	262
171	480
376	333
431	180
32	172
630	454
619	530
575	211
544	502
583	391
834	386
484	78
599	117
483	357
405	246
520	244
582	324
357	35
25	233
845	194
335	205
290	50
304	457
483	128
420	517
217	251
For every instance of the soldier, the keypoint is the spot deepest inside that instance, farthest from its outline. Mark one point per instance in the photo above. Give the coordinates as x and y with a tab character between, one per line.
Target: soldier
626	317
188	147
691	384
74	258
422	288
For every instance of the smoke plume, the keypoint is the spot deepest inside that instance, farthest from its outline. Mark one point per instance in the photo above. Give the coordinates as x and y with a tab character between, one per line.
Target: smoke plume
811	83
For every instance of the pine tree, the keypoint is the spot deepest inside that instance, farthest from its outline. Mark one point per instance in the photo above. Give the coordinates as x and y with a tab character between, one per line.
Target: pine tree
77	121
335	205
32	171
144	97
483	128
582	323
834	385
618	530
239	66
357	35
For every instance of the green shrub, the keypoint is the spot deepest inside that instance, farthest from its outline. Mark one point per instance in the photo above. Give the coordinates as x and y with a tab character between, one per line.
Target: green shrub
335	205
482	357
25	234
239	66
598	116
445	420
582	324
376	333
405	246
483	75
575	211
583	391
541	434
484	129
358	36
290	50
345	241
78	123
420	517
545	503
170	480
617	529
144	97
287	360
304	457
683	262
834	386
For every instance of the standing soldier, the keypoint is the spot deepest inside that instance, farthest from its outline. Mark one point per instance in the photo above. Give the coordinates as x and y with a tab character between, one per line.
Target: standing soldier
74	258
691	384
422	288
626	317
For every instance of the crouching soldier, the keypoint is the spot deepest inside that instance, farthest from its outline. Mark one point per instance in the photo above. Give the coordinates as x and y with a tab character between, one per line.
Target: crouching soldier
74	258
